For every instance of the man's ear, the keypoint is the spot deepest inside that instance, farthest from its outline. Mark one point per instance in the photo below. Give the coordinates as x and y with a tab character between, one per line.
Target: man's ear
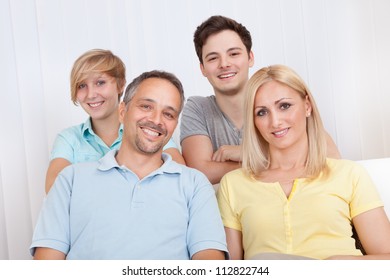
251	59
202	69
122	112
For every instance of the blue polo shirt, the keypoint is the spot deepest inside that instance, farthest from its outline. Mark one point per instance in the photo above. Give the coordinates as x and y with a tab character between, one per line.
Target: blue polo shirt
100	210
79	143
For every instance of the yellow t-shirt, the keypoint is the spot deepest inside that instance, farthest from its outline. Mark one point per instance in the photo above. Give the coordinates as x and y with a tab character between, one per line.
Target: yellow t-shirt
314	221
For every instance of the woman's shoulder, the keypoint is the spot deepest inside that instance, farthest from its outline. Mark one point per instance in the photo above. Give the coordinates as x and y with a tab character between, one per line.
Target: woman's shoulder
237	175
343	165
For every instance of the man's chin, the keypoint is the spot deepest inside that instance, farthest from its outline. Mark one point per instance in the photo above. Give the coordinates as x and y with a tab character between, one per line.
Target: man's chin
150	150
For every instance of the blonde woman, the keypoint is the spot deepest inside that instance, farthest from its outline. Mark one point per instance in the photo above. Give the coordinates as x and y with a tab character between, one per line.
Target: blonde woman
288	197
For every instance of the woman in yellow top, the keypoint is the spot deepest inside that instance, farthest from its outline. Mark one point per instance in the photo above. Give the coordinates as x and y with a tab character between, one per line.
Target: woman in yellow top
288	197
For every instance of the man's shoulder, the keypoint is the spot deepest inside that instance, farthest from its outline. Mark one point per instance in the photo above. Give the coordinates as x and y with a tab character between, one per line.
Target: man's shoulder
82	168
201	100
189	174
201	106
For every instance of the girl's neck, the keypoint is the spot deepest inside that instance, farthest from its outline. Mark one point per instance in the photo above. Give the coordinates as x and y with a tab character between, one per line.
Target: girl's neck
107	129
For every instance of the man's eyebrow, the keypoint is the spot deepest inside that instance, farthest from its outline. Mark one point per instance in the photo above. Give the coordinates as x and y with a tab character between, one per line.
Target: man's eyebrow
229	50
155	102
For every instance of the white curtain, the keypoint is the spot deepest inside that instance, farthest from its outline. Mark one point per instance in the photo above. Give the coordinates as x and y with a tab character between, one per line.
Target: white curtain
340	47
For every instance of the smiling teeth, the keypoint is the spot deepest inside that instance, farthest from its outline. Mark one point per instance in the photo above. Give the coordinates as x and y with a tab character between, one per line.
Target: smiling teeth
280	132
150	132
227	75
95	104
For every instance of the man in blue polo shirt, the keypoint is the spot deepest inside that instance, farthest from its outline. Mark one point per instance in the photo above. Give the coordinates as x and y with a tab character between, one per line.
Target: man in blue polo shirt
134	203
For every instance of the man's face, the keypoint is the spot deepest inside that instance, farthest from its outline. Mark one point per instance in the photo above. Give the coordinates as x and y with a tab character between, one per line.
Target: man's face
226	62
150	118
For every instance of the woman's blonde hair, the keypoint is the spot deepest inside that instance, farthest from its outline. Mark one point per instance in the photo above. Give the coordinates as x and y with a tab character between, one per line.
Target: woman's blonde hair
255	150
97	61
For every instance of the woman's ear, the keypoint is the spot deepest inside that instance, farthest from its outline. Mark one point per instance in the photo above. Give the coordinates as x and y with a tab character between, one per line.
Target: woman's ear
308	106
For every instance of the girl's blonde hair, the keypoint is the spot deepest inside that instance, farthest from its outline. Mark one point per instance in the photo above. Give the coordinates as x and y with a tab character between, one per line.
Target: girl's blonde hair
97	61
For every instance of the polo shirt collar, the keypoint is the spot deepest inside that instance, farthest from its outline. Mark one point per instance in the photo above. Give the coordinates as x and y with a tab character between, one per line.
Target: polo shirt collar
87	129
108	162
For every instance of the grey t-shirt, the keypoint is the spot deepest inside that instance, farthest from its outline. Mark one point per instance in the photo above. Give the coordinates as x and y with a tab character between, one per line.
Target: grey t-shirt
202	116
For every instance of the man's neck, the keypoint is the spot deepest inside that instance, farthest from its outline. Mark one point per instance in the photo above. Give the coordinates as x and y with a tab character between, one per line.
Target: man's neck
141	164
232	106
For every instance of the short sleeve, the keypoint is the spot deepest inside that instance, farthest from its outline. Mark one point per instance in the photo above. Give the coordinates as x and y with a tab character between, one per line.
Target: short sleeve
193	120
52	228
230	219
62	149
205	229
365	195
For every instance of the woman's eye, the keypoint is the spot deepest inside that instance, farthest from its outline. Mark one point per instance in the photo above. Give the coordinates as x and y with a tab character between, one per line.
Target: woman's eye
261	113
285	106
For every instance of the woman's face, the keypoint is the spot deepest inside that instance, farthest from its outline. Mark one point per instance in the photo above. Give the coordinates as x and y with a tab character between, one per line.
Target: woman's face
98	94
280	115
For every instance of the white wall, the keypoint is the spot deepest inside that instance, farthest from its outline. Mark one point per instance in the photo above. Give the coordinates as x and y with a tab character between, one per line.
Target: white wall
340	47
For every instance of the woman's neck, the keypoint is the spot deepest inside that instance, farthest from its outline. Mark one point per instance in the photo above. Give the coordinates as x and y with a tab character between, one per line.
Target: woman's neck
289	159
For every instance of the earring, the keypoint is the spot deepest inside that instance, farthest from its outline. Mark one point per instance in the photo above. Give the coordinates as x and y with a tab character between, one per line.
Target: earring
307	114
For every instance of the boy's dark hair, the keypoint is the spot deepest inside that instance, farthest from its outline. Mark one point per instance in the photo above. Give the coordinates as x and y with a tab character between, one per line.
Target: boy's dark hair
216	24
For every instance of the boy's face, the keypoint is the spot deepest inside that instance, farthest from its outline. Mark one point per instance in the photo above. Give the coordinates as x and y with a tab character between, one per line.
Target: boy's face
226	62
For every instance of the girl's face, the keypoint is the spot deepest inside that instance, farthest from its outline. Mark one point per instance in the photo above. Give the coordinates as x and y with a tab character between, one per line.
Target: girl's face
280	115
98	95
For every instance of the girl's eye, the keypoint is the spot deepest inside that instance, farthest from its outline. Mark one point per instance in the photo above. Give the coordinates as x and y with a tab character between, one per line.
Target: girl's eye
81	86
285	106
